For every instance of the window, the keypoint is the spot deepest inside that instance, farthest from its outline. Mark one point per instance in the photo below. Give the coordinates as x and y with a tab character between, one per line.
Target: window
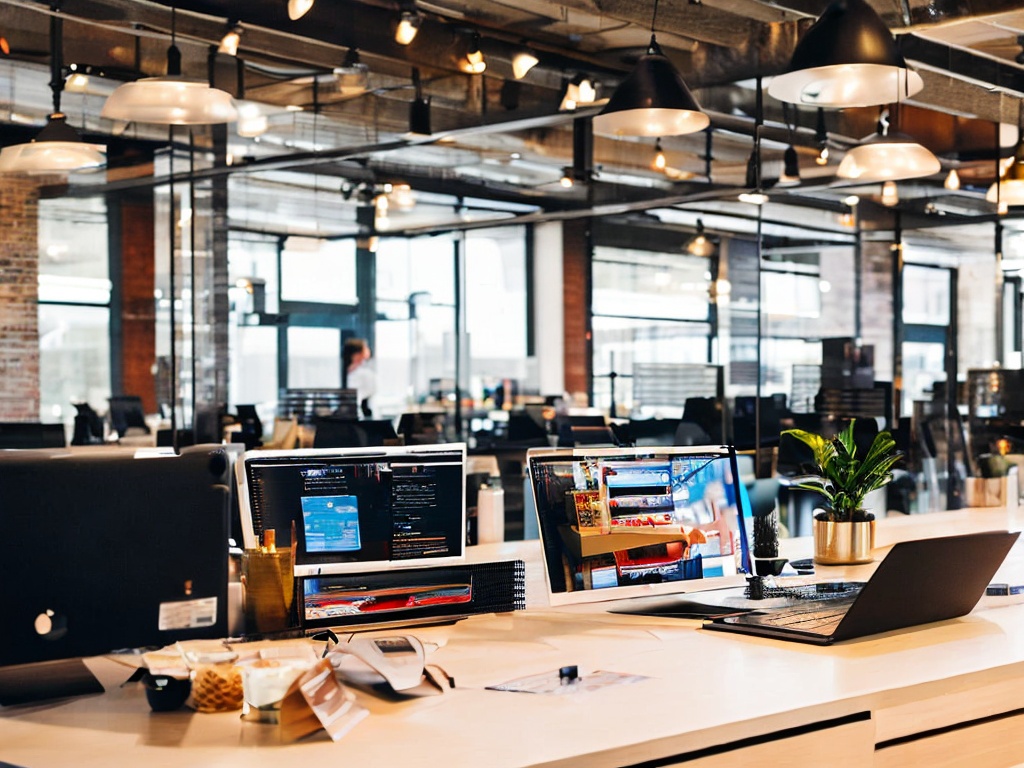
74	307
648	307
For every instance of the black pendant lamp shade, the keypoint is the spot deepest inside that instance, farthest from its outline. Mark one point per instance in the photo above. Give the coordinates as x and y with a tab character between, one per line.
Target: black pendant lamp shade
652	101
848	58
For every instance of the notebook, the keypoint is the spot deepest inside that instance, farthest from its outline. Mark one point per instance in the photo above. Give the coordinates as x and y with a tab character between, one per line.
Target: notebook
918	582
623	523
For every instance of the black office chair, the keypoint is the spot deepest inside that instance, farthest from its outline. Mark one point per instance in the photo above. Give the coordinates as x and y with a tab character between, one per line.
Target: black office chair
333	432
126	413
688	433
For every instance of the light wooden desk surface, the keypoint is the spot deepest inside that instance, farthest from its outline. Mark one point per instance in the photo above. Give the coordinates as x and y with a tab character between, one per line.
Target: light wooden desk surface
727	699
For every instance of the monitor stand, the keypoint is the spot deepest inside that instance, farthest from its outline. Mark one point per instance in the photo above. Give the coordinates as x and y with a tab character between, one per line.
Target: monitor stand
28	683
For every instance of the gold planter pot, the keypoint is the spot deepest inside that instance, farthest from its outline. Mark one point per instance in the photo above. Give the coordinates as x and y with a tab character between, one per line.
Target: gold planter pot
843	543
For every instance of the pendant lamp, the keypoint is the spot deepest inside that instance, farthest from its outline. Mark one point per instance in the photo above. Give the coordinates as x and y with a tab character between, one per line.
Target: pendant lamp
1009	187
653	101
848	58
700	244
58	147
888	156
171	99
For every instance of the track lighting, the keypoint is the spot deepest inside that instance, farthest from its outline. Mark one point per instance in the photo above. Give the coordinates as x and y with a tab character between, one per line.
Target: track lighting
522	62
299	8
578	92
408	26
474	63
229	43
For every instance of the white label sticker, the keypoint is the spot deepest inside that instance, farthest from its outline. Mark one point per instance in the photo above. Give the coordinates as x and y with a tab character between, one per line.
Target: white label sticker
188	614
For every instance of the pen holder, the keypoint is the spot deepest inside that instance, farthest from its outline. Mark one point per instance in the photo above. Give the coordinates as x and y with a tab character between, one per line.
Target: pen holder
268	587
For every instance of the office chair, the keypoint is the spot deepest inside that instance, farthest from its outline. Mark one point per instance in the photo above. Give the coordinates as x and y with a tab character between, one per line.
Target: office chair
689	433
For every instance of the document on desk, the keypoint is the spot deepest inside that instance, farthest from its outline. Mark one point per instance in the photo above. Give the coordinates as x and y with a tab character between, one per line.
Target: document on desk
559	685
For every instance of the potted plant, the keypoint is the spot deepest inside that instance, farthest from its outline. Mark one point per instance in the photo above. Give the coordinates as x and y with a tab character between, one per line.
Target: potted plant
844	532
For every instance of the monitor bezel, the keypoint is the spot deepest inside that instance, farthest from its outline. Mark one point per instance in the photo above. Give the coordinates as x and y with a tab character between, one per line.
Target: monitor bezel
615	594
385	453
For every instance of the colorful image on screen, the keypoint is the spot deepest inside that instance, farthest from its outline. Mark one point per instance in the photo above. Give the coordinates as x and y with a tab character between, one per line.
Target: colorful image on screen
331	523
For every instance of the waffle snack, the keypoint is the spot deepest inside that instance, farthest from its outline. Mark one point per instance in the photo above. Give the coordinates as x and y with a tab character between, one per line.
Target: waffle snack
216	688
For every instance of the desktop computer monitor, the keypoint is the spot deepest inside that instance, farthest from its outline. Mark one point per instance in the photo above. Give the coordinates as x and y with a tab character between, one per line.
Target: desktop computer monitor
107	551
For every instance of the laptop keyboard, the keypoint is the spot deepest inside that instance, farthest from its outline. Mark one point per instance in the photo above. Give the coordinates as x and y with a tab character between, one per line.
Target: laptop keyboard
818	617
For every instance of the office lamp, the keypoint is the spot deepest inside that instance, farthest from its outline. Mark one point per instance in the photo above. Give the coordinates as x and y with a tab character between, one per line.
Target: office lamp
57	147
171	99
848	58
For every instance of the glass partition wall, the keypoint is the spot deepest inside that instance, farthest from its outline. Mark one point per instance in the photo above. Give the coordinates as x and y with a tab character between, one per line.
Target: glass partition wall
450	314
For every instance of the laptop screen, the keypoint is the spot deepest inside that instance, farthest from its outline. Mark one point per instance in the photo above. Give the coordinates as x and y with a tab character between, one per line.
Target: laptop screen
627	522
357	509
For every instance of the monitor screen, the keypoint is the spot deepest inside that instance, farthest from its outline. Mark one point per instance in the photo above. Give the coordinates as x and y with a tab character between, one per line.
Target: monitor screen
357	509
107	551
627	522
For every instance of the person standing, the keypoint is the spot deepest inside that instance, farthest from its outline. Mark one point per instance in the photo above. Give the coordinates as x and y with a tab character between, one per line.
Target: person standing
356	374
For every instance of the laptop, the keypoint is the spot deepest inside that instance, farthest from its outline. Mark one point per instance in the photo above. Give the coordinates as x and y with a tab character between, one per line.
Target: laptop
622	523
918	582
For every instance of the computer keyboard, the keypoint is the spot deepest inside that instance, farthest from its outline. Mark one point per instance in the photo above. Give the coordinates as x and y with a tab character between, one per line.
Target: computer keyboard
820	617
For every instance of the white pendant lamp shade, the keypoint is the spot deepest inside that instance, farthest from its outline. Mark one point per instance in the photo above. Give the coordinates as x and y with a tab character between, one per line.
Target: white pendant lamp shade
848	58
653	101
56	149
170	100
1009	189
888	157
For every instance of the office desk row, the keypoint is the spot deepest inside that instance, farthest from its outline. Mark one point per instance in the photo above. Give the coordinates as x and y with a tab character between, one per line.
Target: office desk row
949	693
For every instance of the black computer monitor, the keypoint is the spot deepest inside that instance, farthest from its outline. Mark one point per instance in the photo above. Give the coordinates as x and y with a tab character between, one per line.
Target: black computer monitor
29	434
126	412
332	432
106	551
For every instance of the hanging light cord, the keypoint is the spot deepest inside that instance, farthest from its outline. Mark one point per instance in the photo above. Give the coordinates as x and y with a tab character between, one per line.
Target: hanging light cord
173	52
56	56
654	48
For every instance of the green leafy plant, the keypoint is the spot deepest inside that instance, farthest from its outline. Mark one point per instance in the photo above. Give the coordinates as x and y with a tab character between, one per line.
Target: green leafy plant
841	476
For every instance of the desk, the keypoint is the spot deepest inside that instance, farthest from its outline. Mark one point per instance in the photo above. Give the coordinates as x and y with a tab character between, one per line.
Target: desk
949	693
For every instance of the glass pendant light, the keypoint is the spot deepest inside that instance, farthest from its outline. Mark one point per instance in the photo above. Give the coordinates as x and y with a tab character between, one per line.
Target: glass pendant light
171	99
57	147
888	156
700	244
848	58
1009	187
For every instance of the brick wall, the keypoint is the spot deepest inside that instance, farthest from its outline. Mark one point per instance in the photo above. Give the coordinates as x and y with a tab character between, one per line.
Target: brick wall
575	298
138	311
19	295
